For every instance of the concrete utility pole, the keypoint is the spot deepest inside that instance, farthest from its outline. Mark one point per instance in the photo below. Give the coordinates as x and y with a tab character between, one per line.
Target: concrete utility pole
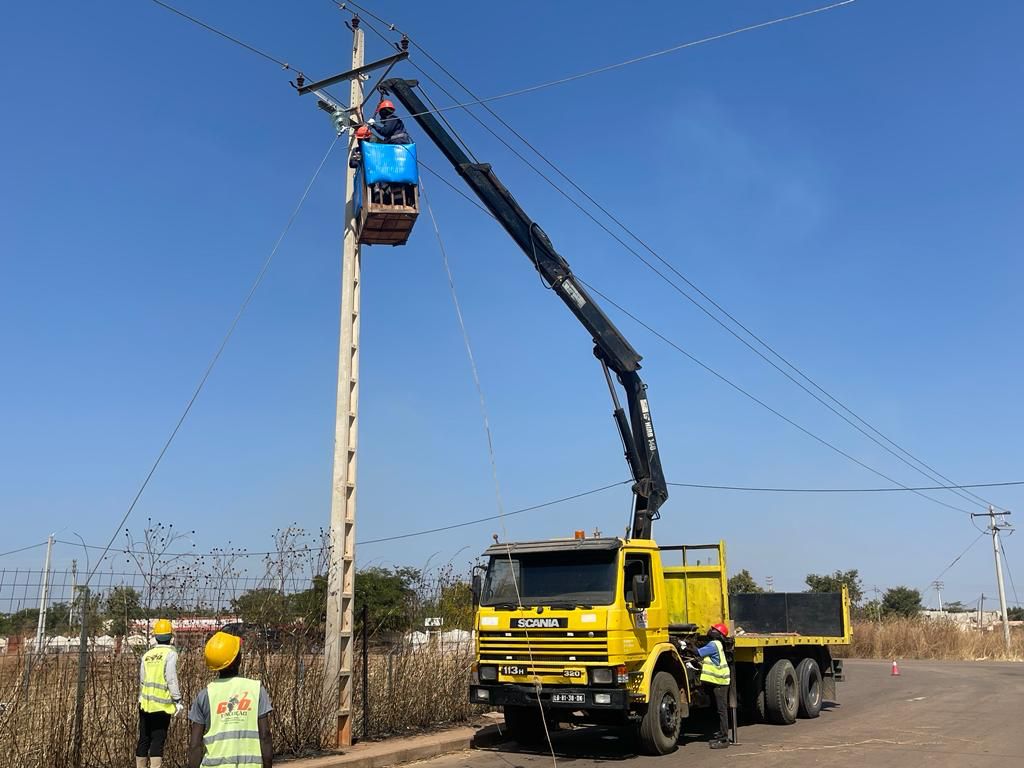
338	647
938	590
44	593
994	528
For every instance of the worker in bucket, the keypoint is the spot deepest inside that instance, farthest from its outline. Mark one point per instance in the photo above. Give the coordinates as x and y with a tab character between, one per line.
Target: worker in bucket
363	133
391	129
159	696
231	715
715	675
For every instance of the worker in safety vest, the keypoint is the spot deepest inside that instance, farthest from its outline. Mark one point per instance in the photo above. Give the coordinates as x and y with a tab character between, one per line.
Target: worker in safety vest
230	717
362	134
159	696
391	129
715	675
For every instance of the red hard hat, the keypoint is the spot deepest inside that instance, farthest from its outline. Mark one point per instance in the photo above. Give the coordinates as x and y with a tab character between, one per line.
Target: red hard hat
385	104
721	628
363	132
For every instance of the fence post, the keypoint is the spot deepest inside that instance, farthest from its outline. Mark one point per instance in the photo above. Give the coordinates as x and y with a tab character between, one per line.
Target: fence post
366	678
83	662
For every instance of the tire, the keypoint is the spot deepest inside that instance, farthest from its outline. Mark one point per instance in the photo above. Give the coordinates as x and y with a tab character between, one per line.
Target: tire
781	693
808	674
662	722
524	724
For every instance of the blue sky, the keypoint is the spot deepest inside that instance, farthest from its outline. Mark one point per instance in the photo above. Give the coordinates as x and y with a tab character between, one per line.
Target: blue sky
846	184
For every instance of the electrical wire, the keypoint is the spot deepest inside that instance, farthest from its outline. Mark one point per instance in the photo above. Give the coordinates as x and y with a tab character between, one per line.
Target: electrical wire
955	561
23	549
930	472
761	402
627	62
1009	573
216	356
842	490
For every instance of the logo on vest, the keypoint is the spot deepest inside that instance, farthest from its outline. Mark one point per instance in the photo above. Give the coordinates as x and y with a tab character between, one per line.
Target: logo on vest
236	706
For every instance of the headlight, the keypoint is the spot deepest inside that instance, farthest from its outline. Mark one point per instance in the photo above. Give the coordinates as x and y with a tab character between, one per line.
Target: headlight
488	673
602	676
482	694
602	698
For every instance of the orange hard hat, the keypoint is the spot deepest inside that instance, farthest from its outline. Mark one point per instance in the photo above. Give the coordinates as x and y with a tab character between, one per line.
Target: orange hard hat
721	628
363	132
385	104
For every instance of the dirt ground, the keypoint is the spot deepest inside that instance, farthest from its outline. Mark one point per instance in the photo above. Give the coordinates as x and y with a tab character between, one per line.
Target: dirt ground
936	714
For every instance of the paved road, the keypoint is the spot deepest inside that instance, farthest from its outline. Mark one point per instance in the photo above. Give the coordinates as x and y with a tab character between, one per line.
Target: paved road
936	714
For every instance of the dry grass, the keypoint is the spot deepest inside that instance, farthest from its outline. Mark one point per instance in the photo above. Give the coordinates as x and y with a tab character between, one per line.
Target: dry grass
902	638
409	690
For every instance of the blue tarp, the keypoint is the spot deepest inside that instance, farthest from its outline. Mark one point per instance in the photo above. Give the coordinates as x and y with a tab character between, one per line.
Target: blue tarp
395	163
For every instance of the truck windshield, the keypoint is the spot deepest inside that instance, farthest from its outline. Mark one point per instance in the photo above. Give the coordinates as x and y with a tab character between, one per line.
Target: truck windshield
551	578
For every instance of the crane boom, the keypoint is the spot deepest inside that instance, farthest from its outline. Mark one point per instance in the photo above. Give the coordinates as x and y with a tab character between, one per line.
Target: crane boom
610	346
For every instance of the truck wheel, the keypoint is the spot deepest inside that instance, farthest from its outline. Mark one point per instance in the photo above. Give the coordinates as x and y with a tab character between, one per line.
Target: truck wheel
525	724
781	693
809	676
661	723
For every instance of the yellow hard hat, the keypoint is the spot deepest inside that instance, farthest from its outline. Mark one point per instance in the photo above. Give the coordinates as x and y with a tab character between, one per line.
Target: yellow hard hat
221	650
162	627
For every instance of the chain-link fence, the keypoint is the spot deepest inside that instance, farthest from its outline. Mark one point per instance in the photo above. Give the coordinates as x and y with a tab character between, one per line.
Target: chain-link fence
70	653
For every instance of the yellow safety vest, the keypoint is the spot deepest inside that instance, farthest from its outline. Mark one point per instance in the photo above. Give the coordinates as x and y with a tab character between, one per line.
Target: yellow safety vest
233	738
716	674
154	695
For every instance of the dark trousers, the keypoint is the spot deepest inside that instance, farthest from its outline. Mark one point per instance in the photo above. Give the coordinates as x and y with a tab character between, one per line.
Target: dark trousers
152	733
721	696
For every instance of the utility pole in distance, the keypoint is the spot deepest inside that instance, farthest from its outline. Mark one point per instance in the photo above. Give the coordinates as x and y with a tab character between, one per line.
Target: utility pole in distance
938	585
994	528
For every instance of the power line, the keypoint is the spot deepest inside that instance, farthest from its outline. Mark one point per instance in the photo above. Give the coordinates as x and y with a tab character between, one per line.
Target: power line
609	67
225	35
23	549
931	474
955	561
498	516
844	490
216	356
762	403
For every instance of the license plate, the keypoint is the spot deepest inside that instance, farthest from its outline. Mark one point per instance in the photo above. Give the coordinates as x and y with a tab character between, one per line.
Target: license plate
568	698
512	669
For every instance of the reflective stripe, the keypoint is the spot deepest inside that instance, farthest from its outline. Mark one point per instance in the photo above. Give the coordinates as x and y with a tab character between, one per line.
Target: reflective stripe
717	674
240	760
158	699
231	735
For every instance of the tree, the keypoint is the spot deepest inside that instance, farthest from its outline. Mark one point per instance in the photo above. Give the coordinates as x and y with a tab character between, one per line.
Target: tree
387	595
834	583
123	605
956	607
1015	613
901	601
262	606
310	605
743	583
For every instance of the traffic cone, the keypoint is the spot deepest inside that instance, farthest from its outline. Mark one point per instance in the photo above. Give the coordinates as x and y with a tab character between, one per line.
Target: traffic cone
895	669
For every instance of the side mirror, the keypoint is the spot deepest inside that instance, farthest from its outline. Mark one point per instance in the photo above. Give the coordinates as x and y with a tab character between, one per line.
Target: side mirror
477	587
641	592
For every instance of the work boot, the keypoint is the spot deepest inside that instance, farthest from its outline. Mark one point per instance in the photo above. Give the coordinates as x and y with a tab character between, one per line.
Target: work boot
721	743
141	762
154	762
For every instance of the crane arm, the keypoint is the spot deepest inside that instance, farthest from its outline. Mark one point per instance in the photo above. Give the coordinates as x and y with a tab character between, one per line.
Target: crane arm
610	346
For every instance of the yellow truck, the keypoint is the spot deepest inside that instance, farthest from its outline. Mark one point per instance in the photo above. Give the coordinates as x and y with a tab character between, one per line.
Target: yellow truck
602	631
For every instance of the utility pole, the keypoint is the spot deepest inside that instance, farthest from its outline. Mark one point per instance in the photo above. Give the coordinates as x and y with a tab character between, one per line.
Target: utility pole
995	528
769	582
938	585
981	609
44	593
338	646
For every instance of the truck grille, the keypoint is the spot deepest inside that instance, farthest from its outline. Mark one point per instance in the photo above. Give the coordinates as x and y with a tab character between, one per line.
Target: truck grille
544	647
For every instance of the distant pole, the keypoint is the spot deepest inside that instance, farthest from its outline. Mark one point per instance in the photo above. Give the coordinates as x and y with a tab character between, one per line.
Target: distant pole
981	609
338	649
44	593
994	528
769	582
938	590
